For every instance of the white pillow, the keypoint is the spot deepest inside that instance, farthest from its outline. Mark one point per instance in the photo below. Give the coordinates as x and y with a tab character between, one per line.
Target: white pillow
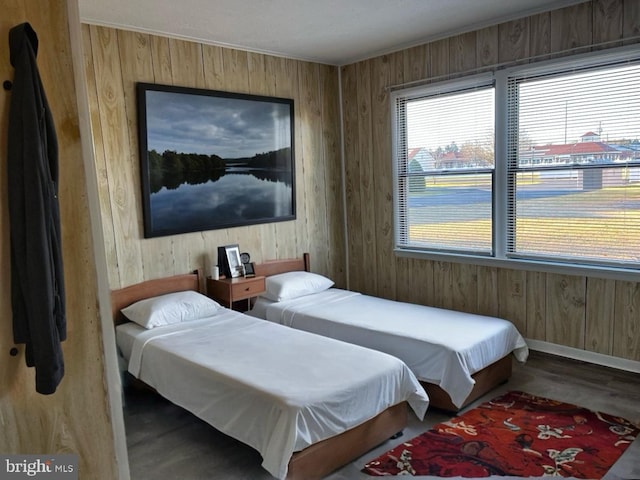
171	308
286	286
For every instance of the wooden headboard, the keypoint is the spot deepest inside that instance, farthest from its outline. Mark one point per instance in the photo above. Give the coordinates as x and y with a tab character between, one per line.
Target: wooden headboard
124	297
273	267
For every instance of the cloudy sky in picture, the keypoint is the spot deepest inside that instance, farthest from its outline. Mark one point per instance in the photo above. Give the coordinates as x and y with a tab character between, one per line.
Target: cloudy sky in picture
227	126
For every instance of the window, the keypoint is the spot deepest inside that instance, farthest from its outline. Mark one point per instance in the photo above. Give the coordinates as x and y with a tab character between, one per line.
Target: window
561	183
445	166
574	164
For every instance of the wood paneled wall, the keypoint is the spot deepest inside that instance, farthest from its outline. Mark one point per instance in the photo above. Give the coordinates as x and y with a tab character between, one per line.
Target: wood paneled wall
591	314
76	418
116	60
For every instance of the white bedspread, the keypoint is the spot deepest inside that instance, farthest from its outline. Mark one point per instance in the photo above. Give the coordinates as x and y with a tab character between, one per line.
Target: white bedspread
276	389
440	346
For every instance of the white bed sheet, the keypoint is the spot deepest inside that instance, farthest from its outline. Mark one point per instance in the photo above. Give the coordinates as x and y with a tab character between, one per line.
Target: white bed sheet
440	346
276	389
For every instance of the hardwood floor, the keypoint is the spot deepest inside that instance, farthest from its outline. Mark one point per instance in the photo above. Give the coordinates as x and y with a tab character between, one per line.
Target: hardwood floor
166	442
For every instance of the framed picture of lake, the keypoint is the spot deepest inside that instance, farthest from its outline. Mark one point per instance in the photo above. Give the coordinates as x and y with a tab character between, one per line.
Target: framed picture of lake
212	159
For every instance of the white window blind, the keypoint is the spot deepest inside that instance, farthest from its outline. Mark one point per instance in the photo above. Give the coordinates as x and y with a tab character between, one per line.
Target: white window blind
573	167
444	167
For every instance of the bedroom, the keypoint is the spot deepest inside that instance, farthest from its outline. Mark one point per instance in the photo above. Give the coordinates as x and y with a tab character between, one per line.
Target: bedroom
534	301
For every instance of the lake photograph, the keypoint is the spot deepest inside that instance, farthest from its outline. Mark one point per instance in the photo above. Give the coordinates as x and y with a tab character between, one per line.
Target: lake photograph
213	159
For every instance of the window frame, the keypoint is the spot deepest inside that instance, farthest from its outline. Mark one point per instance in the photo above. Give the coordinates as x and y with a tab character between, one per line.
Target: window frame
500	257
475	82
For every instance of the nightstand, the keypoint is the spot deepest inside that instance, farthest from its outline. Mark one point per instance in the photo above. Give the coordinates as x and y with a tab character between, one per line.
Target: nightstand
227	291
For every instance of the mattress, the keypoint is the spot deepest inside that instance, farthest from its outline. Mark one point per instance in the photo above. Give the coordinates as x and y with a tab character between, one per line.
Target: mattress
276	389
443	347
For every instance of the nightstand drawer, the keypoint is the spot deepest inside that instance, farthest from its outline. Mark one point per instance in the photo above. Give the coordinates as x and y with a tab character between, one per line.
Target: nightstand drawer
247	288
228	291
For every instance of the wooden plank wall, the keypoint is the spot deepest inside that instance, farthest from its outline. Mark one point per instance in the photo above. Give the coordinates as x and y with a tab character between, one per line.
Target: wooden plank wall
117	59
75	419
592	314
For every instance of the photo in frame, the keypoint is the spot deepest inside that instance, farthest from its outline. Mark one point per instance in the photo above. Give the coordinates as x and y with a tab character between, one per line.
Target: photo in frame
229	261
211	159
249	270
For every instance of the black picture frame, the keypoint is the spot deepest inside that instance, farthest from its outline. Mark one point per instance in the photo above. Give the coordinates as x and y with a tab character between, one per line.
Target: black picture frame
249	270
229	261
211	159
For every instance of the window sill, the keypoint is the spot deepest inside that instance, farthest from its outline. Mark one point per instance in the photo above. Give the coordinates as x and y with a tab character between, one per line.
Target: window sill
630	274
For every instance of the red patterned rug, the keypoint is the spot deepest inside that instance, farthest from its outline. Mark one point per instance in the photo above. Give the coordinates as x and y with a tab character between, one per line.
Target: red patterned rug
516	434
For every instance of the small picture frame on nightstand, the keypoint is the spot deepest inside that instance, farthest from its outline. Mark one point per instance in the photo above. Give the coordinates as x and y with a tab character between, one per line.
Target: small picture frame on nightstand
229	261
249	271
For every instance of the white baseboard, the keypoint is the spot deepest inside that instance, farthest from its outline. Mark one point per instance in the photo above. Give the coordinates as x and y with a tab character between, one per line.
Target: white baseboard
584	355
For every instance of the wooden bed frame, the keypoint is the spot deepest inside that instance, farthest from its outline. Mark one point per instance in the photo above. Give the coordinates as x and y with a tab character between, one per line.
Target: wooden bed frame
317	460
486	379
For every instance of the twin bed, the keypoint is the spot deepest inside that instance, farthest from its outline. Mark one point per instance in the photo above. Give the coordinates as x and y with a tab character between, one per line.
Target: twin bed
308	403
457	356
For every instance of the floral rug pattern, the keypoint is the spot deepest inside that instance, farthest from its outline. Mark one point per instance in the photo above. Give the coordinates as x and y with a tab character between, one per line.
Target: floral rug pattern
515	434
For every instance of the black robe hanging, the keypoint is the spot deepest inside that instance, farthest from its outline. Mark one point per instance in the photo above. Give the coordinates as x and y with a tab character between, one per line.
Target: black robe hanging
37	283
